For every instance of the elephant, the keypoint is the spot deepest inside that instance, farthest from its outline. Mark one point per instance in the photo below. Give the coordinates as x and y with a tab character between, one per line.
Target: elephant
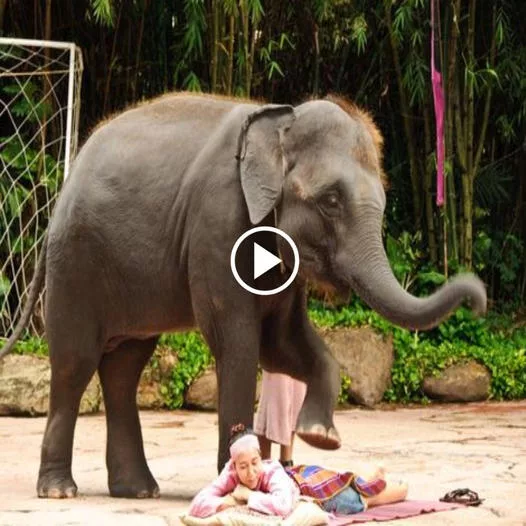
139	244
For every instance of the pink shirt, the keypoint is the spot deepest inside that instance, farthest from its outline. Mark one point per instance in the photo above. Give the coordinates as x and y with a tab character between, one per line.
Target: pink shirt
275	494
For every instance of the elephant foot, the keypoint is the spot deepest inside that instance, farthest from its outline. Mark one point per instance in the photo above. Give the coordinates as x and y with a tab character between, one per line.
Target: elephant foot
135	489
56	486
319	436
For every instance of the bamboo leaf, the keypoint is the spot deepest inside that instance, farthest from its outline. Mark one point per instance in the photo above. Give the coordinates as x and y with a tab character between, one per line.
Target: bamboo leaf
359	33
274	66
103	12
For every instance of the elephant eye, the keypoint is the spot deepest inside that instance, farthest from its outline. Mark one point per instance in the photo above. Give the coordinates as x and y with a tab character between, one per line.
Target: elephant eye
330	204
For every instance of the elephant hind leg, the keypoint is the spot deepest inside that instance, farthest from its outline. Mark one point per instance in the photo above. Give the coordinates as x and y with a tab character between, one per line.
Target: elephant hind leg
120	371
70	375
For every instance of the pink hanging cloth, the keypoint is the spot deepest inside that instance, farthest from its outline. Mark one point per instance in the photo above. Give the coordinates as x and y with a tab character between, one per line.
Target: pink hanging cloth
439	104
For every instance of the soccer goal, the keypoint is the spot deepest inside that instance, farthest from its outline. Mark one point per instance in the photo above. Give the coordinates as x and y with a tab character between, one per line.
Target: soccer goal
40	85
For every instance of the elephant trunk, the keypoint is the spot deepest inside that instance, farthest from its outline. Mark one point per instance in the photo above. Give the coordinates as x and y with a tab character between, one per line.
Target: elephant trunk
370	275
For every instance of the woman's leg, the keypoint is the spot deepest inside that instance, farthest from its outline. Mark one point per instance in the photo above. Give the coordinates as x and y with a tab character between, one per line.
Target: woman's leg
264	446
393	492
285	452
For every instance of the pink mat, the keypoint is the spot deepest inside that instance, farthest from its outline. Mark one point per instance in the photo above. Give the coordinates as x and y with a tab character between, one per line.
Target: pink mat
400	510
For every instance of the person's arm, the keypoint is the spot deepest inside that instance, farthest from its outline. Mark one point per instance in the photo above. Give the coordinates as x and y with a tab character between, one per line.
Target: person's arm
280	498
215	496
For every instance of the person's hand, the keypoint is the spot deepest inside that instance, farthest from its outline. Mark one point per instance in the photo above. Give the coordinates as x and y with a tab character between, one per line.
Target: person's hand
228	502
241	493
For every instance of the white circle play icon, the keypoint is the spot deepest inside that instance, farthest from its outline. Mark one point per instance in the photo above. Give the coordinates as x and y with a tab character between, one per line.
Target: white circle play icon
264	260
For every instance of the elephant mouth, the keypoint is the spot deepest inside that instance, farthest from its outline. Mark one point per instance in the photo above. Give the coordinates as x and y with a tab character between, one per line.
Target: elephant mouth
322	279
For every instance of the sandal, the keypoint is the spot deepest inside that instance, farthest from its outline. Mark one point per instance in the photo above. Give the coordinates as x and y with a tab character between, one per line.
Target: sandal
462	496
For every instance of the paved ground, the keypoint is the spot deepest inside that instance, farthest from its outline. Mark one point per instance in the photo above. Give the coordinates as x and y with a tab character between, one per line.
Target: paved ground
437	449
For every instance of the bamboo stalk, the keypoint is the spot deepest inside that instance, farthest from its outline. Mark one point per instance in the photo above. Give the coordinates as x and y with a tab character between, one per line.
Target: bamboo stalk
468	175
128	88
450	215
138	56
487	103
112	56
428	187
243	7
316	83
3	4
461	154
252	52
408	128
230	72
215	45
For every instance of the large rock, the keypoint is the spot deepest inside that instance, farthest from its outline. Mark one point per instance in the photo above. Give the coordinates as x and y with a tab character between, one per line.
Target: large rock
24	387
155	375
463	382
366	357
202	393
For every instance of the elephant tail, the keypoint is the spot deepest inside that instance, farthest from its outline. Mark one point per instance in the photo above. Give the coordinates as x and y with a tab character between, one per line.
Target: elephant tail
34	291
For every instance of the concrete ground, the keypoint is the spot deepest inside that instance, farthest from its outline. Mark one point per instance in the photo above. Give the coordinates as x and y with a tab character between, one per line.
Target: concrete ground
437	449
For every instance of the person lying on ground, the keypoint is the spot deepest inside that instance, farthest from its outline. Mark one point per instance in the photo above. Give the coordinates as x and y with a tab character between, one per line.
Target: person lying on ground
265	486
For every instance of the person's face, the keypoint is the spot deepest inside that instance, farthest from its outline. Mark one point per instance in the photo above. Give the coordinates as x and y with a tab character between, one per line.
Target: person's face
249	468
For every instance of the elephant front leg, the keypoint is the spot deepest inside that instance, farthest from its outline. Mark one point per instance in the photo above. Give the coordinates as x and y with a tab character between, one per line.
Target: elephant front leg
236	377
315	422
296	349
234	339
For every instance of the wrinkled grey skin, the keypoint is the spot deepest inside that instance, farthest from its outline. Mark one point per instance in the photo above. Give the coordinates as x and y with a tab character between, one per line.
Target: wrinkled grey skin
140	244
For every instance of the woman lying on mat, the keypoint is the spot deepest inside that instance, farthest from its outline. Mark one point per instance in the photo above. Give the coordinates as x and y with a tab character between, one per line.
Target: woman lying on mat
265	486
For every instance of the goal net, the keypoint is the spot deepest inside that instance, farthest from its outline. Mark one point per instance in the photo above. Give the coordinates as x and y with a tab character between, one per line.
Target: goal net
40	85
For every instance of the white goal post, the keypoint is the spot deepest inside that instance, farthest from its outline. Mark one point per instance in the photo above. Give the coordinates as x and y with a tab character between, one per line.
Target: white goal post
40	84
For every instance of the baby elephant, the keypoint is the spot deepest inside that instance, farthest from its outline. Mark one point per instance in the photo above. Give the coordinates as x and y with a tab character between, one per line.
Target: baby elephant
140	244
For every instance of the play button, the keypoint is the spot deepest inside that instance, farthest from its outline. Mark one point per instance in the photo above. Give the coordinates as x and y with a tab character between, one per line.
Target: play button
261	260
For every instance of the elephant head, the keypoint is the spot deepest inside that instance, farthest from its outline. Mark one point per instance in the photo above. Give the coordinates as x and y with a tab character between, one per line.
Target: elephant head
319	165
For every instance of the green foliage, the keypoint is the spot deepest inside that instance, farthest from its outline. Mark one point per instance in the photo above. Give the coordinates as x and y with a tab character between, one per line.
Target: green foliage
30	345
103	12
195	27
501	254
193	357
343	396
359	33
418	354
266	55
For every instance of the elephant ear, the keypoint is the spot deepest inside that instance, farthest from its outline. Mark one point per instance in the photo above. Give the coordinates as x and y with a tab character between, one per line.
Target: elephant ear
261	158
